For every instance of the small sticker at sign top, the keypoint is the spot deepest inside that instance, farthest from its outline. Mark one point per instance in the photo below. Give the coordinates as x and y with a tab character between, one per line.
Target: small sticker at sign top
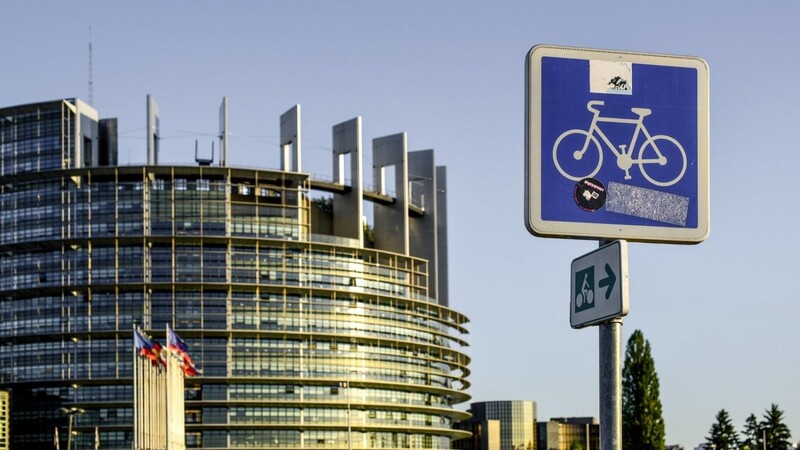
611	77
590	194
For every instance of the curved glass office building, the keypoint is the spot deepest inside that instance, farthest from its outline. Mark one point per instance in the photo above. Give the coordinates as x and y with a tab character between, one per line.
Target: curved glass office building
310	332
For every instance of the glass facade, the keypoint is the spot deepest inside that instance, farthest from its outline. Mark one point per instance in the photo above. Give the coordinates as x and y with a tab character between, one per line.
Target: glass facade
564	433
303	343
517	425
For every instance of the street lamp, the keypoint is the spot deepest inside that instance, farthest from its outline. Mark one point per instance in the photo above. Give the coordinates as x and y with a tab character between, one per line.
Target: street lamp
70	412
346	385
349	426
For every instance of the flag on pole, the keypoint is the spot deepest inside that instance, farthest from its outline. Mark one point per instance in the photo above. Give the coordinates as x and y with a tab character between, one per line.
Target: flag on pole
148	348
150	393
175	343
179	348
179	364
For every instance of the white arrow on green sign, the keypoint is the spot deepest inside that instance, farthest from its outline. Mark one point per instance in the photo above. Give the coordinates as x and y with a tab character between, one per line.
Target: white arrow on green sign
599	285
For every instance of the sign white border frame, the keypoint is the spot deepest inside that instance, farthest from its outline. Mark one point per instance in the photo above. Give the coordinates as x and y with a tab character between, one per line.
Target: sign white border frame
533	138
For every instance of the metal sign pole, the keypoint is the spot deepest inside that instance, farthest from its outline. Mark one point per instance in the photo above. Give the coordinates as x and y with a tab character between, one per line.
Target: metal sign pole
610	339
611	385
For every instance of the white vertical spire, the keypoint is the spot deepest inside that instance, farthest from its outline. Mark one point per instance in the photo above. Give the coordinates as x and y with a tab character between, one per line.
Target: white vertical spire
91	82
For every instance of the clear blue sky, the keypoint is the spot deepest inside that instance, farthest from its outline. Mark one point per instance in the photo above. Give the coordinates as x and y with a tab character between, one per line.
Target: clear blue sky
722	317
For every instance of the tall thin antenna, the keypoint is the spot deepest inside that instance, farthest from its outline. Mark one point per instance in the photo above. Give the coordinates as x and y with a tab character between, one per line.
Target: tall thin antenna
91	83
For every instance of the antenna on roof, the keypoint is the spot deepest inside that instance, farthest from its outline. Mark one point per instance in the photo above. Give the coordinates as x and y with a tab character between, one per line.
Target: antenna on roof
91	83
203	161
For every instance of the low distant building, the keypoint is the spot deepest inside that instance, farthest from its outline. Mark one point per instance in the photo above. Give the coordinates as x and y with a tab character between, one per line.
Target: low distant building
485	435
674	447
500	425
561	433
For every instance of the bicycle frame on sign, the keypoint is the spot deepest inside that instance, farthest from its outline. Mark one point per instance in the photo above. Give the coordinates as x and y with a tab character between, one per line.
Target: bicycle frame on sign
639	122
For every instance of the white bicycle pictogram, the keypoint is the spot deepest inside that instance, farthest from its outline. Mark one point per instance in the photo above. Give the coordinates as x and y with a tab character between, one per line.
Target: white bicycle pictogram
663	154
586	294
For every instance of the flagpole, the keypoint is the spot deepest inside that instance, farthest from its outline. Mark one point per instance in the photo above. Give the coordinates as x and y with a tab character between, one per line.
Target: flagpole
145	397
167	391
156	423
149	396
154	401
177	363
160	421
144	433
171	404
168	406
136	426
162	392
175	408
147	372
162	397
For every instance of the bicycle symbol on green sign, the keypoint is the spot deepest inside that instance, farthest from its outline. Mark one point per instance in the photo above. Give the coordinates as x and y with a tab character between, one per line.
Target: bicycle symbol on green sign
584	288
661	150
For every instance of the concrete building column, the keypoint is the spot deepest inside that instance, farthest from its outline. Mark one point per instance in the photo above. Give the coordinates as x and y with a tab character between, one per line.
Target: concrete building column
391	221
349	207
291	140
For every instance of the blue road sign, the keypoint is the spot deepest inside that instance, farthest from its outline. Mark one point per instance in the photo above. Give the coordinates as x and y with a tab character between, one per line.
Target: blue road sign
616	145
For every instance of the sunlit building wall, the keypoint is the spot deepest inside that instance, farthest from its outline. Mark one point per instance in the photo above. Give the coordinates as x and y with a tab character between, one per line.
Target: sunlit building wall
562	433
485	435
5	406
310	332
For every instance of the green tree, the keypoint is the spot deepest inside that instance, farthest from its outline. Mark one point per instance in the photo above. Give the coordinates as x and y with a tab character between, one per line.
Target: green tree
751	433
369	235
576	446
722	435
775	430
642	423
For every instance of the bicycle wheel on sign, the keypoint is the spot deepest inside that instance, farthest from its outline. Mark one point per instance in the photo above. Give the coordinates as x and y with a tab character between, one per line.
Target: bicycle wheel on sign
662	160
577	155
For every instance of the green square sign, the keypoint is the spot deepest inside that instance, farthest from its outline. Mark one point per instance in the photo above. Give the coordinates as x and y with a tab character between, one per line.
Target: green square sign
599	285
